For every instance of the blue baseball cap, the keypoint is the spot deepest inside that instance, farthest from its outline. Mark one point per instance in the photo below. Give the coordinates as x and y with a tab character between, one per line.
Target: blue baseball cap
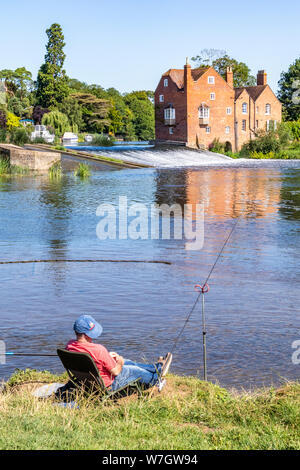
87	325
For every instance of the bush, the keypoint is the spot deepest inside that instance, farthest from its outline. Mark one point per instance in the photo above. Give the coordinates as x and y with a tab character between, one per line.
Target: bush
102	141
217	146
3	135
19	136
294	127
39	140
264	143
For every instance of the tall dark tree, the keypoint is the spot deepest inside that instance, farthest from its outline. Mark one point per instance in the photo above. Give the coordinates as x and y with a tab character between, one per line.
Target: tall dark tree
289	91
52	82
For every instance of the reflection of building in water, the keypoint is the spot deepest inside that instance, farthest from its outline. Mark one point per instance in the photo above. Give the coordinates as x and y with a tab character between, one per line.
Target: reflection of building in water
233	193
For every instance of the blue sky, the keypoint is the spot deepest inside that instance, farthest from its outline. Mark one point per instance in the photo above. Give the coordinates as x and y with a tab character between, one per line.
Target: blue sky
128	44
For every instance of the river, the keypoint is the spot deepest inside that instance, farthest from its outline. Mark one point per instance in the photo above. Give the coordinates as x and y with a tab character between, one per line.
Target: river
253	305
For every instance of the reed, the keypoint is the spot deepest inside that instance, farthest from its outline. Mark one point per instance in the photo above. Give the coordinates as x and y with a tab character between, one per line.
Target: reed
83	171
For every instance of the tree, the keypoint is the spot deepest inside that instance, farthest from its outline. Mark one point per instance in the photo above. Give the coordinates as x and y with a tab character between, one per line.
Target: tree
94	111
219	60
38	113
52	82
18	82
143	114
289	91
207	56
12	121
58	121
72	109
3	119
241	72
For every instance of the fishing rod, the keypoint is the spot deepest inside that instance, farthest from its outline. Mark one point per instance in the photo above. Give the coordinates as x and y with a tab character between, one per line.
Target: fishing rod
202	290
28	355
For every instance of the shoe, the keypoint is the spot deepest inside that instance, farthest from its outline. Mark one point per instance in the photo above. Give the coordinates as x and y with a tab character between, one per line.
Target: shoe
167	364
161	385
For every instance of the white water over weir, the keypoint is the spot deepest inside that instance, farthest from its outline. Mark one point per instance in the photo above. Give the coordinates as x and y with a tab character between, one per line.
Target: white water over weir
171	158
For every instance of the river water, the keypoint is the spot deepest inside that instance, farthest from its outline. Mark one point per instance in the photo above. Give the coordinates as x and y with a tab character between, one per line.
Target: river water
253	304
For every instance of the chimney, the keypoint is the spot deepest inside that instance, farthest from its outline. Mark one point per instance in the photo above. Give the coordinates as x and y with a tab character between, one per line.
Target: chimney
262	77
229	76
187	75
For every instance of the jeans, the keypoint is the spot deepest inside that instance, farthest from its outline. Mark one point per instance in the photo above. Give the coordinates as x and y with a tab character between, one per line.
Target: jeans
148	374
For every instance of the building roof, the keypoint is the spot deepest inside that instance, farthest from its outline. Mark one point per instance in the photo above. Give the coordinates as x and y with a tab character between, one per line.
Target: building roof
254	91
177	75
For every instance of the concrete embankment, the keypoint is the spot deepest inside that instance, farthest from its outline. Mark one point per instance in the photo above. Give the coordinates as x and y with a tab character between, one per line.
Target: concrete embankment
110	161
33	159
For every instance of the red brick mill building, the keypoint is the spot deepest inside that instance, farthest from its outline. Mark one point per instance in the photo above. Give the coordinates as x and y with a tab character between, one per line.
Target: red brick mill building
195	106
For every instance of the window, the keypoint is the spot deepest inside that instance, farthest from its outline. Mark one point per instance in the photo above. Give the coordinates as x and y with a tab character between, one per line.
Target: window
211	80
257	125
268	125
244	108
170	113
212	96
275	125
244	125
208	130
268	108
257	109
227	130
203	112
171	130
161	98
166	82
228	110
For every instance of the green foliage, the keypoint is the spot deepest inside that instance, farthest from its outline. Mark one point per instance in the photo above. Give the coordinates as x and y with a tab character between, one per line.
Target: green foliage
3	135
55	172
289	91
52	82
19	136
74	112
58	121
18	82
102	141
265	143
94	111
83	171
217	146
142	109
219	60
294	127
4	166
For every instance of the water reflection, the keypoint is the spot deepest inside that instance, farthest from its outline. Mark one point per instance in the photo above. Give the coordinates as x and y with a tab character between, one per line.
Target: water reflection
251	326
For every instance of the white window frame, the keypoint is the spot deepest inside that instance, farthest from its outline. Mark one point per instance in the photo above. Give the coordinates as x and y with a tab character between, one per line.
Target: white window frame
245	108
268	125
208	130
268	109
244	122
211	80
204	112
227	130
166	82
161	98
228	110
212	96
171	130
170	113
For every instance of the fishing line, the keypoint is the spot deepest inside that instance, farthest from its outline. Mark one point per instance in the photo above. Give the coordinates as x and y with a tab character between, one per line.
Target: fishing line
86	261
203	289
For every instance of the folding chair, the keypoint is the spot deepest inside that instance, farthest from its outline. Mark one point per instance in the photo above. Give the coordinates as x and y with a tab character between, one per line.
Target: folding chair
84	375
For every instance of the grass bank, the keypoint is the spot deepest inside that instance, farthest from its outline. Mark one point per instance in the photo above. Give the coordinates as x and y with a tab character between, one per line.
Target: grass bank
188	415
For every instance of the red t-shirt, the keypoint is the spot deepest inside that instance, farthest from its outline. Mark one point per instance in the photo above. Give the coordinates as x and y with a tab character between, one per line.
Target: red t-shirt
101	356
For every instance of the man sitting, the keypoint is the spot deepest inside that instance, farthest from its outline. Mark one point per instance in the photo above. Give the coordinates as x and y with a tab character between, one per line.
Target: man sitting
115	371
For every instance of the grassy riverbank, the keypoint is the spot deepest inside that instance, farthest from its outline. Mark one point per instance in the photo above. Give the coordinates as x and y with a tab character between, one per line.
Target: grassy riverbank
189	414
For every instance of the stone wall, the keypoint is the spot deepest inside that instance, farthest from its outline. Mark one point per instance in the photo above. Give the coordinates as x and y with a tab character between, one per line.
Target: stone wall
32	159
